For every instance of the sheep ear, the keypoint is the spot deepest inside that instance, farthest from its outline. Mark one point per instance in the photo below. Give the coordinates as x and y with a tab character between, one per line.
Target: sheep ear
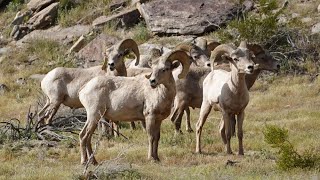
255	48
175	65
148	76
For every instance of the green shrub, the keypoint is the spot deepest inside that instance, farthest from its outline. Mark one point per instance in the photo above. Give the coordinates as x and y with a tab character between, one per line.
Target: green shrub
288	157
140	33
258	27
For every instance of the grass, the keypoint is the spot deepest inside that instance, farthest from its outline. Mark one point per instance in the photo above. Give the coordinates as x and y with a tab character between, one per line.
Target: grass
289	102
39	57
69	14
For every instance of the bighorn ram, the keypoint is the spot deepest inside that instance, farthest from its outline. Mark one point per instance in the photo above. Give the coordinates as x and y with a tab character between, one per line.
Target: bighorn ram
189	90
227	91
146	98
61	85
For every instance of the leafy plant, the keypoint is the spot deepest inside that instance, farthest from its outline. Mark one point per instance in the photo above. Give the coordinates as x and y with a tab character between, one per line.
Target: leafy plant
288	157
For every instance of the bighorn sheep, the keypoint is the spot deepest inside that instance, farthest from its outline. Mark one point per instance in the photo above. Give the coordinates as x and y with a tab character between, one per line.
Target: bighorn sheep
146	98
145	60
61	85
199	51
189	90
227	91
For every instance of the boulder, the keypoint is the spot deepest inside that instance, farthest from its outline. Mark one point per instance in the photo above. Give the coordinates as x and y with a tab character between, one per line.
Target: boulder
37	5
189	17
92	53
128	18
57	33
45	17
315	28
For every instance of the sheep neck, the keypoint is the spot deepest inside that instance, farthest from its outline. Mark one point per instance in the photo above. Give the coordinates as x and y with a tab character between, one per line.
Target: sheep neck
251	78
237	82
121	70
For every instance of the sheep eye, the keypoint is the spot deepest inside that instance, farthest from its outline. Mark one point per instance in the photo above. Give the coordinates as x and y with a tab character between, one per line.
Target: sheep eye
236	59
163	70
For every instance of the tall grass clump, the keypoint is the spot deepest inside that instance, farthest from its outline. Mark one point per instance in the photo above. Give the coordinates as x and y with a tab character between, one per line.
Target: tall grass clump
288	156
140	33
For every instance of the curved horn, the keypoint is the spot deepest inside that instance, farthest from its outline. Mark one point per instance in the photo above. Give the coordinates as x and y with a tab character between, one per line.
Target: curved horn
243	44
211	46
183	58
129	44
184	47
219	51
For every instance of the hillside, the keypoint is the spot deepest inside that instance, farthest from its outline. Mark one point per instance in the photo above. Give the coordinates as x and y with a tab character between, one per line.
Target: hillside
37	36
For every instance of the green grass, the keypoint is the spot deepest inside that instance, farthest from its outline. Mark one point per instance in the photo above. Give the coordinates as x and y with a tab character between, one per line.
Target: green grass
39	57
289	102
69	16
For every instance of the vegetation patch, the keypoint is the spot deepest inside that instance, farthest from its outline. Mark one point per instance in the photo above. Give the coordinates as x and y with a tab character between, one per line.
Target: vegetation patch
288	157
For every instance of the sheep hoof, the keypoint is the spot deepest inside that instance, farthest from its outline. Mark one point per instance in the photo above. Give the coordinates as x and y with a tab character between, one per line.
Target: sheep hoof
178	132
241	153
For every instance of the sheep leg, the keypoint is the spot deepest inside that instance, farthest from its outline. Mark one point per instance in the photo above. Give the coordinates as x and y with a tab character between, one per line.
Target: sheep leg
153	131
116	129
132	125
204	112
143	123
53	112
174	111
233	123
222	131
83	151
240	119
227	119
188	125
44	107
177	121
91	127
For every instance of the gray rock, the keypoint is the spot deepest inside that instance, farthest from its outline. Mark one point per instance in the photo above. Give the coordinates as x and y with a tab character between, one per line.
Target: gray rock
189	17
306	19
295	15
37	5
3	89
128	18
4	51
315	28
92	53
57	33
21	81
45	17
37	77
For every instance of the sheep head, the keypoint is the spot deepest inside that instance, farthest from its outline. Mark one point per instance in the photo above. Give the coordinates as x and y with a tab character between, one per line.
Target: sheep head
239	58
197	52
263	58
163	69
114	56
